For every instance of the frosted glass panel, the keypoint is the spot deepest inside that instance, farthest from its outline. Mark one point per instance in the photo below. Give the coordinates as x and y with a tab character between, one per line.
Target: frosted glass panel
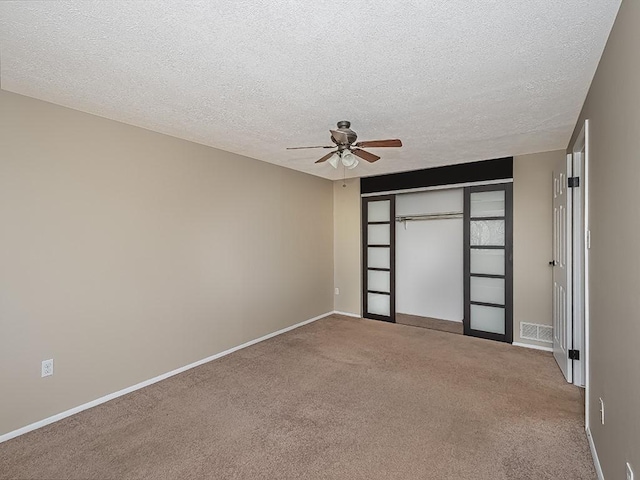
379	211
487	204
379	234
487	232
379	304
488	290
487	319
378	258
379	281
487	261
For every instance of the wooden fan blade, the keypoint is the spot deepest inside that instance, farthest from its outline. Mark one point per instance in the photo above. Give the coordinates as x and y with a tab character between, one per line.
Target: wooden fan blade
340	137
369	157
326	157
299	148
380	143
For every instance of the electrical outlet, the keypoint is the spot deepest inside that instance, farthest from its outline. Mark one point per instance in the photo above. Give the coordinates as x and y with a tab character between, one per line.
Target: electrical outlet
337	292
47	367
629	472
601	411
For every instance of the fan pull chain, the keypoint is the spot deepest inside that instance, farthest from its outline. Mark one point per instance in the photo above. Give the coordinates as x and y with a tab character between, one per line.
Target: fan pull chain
344	176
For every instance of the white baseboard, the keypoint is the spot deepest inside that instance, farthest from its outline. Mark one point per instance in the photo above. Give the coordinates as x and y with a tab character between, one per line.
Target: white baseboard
138	386
594	454
346	314
535	347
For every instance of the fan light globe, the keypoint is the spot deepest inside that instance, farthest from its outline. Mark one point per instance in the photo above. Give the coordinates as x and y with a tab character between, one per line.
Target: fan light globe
349	160
333	161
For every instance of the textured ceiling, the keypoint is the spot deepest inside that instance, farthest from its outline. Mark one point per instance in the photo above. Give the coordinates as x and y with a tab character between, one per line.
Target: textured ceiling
456	80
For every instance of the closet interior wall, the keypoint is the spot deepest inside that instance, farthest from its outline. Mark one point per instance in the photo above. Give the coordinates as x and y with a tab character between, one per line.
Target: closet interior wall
429	254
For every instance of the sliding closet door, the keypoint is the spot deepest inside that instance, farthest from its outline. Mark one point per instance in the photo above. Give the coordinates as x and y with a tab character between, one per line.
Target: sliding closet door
488	238
378	258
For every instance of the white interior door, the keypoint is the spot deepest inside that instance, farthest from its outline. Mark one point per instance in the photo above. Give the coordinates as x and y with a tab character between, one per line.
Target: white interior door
562	323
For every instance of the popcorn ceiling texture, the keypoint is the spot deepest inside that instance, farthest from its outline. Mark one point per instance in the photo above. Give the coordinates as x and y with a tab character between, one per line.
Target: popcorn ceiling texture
456	80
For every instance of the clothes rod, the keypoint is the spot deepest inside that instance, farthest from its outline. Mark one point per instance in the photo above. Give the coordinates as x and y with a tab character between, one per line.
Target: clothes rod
432	216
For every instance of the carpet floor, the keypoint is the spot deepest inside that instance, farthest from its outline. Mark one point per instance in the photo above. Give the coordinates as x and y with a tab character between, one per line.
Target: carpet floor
336	399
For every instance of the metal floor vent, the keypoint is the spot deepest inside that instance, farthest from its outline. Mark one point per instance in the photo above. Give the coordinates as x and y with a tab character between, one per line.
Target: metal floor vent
533	331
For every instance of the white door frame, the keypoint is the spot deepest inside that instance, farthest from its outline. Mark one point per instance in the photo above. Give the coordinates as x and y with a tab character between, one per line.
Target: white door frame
579	238
581	244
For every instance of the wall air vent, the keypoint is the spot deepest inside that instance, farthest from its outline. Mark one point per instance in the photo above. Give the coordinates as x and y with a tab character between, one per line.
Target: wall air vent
533	331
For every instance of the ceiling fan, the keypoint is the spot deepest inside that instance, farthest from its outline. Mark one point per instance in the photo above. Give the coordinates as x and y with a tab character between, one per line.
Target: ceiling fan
345	138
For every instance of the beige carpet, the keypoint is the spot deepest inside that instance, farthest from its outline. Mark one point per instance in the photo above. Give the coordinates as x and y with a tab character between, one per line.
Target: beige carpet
336	399
428	322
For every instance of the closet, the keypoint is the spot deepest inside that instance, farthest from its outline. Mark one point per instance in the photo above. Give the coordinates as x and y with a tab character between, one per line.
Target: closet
439	251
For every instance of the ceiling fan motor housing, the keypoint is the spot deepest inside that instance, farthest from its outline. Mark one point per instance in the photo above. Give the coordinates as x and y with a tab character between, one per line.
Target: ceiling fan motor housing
343	126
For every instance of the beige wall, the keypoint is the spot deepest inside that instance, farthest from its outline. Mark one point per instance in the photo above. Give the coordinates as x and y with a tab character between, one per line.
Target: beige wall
347	231
125	254
613	110
532	223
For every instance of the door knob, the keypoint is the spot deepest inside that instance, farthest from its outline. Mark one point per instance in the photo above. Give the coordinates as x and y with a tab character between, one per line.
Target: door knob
553	263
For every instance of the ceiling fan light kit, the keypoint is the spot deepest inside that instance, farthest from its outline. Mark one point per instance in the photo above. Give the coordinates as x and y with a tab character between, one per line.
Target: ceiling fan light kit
345	139
347	159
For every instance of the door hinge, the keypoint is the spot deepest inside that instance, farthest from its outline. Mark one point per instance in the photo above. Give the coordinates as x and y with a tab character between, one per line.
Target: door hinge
574	182
574	354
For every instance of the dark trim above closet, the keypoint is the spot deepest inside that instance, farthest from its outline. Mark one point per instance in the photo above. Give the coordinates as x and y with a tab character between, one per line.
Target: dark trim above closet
484	171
